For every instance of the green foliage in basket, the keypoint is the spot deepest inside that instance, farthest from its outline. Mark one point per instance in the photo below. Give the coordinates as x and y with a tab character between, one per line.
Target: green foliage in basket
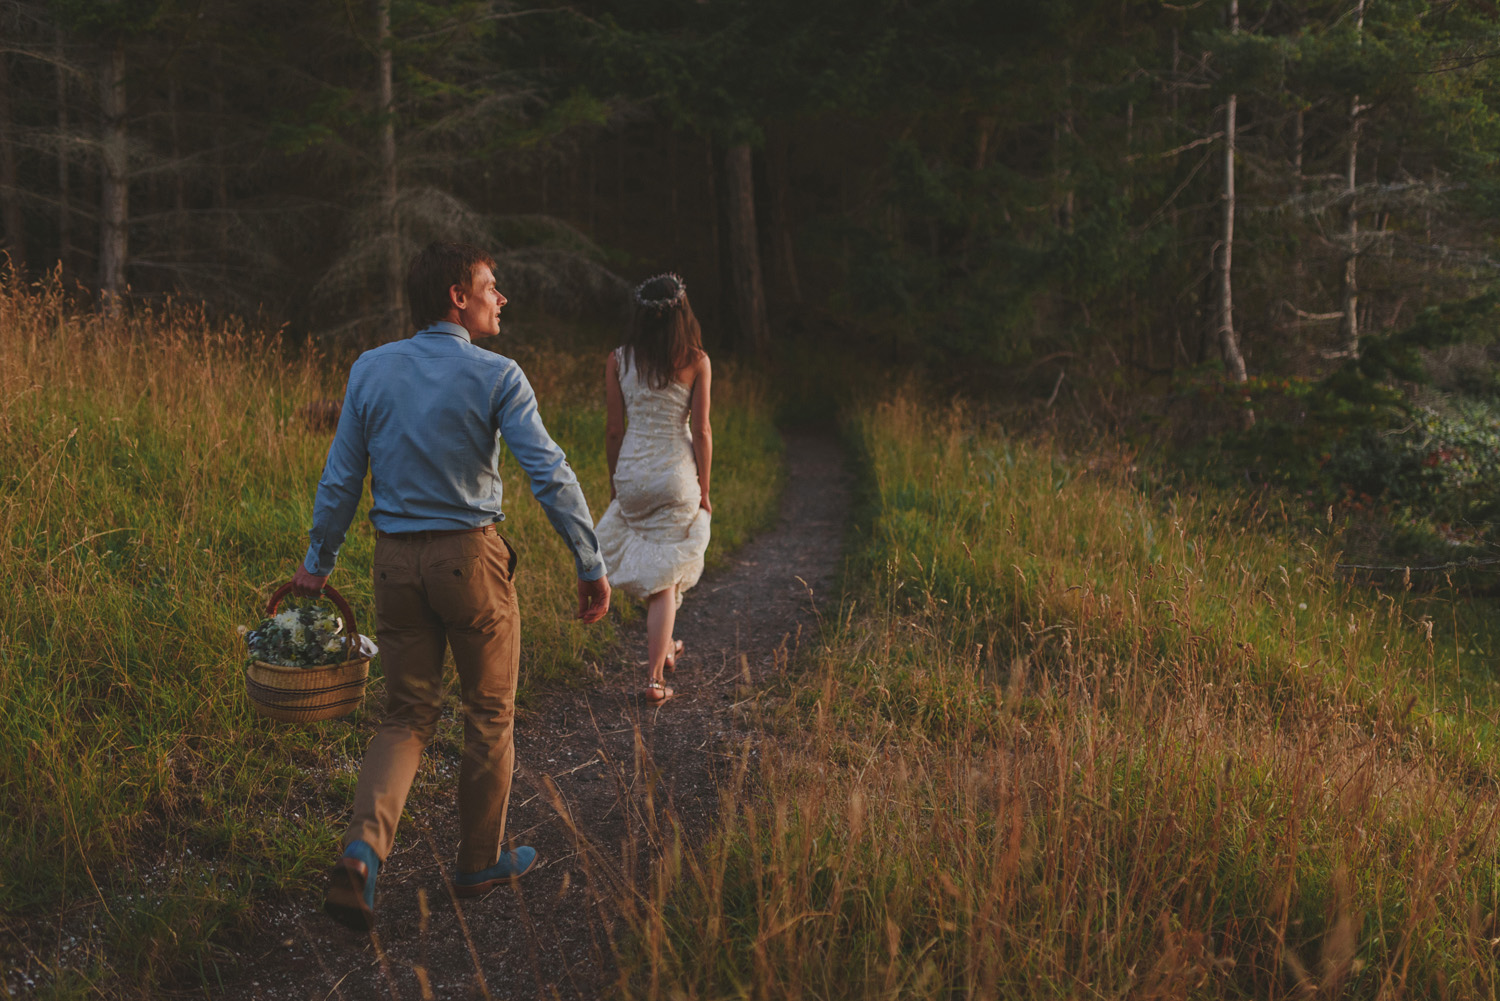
306	636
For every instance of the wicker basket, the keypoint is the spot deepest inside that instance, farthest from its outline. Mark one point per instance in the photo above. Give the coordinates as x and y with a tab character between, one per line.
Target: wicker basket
306	694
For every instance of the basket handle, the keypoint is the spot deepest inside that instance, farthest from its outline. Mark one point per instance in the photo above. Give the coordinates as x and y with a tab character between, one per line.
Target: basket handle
351	637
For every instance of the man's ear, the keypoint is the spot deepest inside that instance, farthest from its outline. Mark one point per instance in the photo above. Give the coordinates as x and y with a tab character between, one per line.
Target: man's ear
456	296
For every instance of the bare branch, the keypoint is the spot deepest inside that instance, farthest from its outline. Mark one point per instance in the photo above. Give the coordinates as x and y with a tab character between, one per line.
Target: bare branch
1180	149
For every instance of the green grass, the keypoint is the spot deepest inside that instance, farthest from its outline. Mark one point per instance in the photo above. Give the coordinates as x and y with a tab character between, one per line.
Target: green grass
157	483
1067	739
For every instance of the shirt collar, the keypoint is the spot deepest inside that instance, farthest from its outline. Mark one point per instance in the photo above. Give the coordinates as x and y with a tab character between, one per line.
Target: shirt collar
444	327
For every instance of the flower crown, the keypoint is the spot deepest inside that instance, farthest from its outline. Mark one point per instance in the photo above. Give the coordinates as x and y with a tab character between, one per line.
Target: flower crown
660	306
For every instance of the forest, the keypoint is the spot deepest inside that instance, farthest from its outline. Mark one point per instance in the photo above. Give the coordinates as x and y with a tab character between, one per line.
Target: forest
1199	214
1159	341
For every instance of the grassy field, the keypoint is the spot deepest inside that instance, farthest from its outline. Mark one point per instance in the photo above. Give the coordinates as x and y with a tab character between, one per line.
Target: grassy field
156	483
1066	739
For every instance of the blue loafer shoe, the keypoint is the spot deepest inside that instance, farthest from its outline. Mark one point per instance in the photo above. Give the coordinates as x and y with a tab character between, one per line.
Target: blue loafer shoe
512	866
350	899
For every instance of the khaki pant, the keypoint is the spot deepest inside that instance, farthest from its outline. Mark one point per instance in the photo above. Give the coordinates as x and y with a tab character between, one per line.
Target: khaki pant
433	590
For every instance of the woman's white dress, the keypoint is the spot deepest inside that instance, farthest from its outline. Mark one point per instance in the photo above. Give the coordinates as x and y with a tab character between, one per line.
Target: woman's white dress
654	534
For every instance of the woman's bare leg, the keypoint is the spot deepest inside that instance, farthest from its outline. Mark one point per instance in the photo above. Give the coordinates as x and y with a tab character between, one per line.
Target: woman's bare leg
661	617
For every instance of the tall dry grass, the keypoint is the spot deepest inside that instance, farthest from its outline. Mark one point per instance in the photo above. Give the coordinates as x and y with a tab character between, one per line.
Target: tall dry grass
156	482
1070	740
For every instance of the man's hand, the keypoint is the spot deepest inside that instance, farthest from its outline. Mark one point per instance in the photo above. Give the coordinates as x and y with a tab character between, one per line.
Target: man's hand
593	599
310	585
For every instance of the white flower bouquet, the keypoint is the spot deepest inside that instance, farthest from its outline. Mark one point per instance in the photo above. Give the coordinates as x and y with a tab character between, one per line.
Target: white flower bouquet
306	636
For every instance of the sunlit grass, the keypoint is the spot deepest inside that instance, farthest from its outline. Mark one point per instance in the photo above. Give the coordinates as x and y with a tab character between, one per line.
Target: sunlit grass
156	482
1065	739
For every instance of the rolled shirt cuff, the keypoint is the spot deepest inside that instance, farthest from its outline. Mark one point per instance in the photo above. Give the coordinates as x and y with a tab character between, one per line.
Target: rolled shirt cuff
314	564
593	572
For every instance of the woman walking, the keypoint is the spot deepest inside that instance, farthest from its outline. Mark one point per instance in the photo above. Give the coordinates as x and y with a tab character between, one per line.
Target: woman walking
660	449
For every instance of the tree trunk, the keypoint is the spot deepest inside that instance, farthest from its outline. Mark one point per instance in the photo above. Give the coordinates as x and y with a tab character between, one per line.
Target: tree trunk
744	251
782	253
984	129
64	166
395	279
1350	298
114	180
1299	144
1063	127
1177	347
621	229
673	183
1229	345
718	239
1299	140
984	132
593	186
10	180
179	184
221	147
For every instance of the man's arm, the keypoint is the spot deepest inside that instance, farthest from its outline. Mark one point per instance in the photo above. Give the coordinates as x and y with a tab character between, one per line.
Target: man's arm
555	487
338	497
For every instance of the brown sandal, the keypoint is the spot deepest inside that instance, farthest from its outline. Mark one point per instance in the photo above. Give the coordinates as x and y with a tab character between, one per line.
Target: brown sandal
670	664
657	692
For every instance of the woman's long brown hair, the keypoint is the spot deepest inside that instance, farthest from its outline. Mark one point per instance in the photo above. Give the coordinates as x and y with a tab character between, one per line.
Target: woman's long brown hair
662	340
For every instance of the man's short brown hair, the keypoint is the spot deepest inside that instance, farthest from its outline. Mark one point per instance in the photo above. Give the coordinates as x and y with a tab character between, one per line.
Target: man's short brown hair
434	271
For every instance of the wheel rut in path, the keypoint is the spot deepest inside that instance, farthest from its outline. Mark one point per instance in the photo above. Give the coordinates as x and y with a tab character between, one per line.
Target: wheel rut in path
592	753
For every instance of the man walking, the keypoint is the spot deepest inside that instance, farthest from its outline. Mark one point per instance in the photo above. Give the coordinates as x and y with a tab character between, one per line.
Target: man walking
424	414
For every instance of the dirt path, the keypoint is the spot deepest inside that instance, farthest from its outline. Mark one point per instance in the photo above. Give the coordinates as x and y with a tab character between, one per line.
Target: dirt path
590	754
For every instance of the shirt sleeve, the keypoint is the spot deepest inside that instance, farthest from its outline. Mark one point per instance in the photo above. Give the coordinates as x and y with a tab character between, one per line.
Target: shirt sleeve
553	482
340	488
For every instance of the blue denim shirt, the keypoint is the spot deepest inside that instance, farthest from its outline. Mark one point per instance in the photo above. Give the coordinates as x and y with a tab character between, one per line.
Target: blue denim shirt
426	415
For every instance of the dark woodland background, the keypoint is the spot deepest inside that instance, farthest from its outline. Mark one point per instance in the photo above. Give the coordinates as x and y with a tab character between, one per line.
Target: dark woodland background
1261	232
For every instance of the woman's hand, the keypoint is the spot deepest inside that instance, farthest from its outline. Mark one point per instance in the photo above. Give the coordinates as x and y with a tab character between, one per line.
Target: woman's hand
705	503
